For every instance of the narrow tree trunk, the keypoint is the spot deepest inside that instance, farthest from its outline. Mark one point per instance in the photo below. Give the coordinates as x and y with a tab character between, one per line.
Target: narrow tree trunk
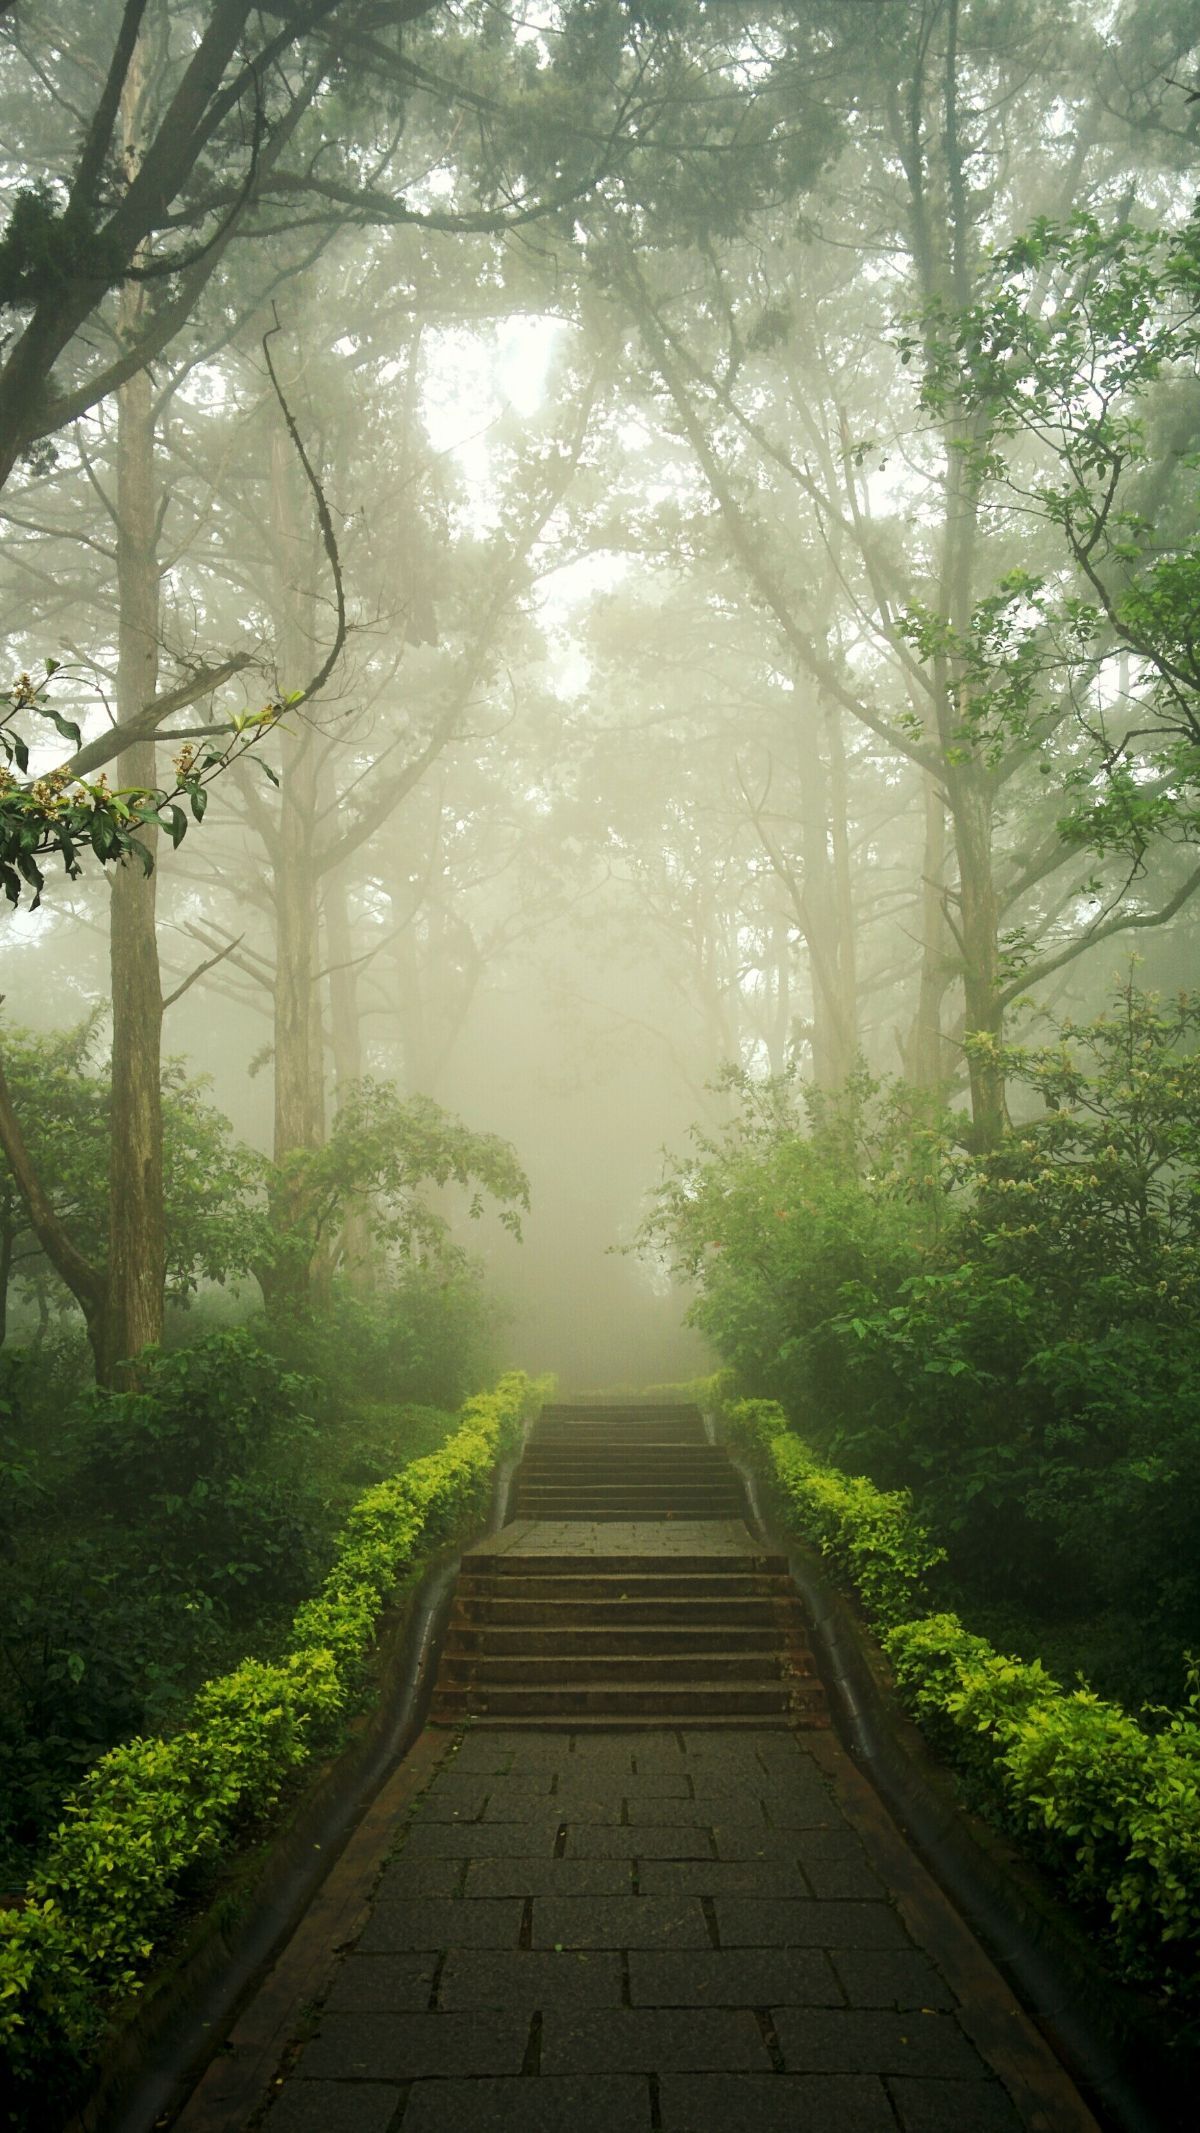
299	1061
971	806
826	920
926	1056
346	1033
136	1270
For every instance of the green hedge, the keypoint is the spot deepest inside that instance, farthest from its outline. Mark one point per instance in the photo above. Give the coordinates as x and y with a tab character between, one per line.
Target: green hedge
869	1535
1111	1807
154	1816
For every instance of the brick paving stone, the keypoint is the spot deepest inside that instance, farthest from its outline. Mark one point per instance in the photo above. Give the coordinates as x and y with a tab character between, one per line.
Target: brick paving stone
854	2041
761	1922
390	2047
450	1778
618	1922
753	1840
658	1785
420	1877
574	1805
530	1978
457	1804
592	1841
486	1755
651	2040
419	1922
678	1814
954	2107
550	1877
732	1977
719	1877
526	1789
831	1878
661	1751
481	1840
599	1756
333	2107
775	2103
383	1984
597	2103
890	1977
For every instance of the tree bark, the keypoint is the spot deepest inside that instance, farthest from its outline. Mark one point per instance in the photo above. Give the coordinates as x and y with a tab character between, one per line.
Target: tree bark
926	1053
299	1122
136	1272
345	1024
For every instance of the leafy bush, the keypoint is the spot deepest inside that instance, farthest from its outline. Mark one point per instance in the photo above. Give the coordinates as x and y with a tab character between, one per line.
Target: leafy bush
155	1814
868	1535
1109	1805
428	1337
1012	1335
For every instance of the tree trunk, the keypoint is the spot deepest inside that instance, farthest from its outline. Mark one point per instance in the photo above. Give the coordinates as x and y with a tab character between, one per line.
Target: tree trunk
926	1055
299	1061
971	809
136	1272
826	913
346	1033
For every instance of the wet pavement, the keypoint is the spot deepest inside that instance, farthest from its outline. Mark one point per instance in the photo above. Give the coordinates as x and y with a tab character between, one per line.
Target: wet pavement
700	1932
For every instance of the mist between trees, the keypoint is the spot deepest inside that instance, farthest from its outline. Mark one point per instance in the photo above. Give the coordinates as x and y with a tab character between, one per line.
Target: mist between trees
591	563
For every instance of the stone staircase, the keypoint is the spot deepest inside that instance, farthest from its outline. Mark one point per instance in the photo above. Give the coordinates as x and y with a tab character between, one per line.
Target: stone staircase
626	1463
658	1624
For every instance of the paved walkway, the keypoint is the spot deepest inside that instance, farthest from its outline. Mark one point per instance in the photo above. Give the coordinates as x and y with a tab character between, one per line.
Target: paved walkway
608	1932
704	1933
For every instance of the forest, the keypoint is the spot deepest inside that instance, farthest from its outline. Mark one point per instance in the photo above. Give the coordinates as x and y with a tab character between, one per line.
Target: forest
601	775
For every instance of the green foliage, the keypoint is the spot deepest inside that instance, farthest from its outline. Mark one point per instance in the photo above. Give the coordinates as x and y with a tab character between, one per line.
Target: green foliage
798	1196
1049	381
1108	1804
45	246
382	1155
64	1101
1011	1336
870	1536
155	1814
69	816
427	1337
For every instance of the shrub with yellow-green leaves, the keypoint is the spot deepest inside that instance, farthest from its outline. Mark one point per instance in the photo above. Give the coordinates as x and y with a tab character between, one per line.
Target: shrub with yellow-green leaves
868	1535
1111	1806
154	1817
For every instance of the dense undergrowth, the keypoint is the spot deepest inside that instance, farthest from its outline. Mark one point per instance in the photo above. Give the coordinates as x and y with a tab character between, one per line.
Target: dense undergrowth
973	1382
152	1537
1012	1336
1105	1800
144	1834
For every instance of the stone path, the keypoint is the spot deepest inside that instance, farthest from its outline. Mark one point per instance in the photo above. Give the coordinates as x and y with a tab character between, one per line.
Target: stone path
698	1932
597	1930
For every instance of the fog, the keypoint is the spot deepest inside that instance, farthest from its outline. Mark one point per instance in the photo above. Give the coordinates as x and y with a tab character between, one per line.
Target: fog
600	785
611	536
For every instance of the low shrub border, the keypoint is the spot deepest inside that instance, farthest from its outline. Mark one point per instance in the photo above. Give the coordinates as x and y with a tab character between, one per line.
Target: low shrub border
156	1816
1111	1807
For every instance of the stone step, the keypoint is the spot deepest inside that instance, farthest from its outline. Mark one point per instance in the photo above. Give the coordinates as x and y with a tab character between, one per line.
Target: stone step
585	1584
630	1568
619	1509
580	1466
614	1699
778	1619
585	1722
547	1669
576	1639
